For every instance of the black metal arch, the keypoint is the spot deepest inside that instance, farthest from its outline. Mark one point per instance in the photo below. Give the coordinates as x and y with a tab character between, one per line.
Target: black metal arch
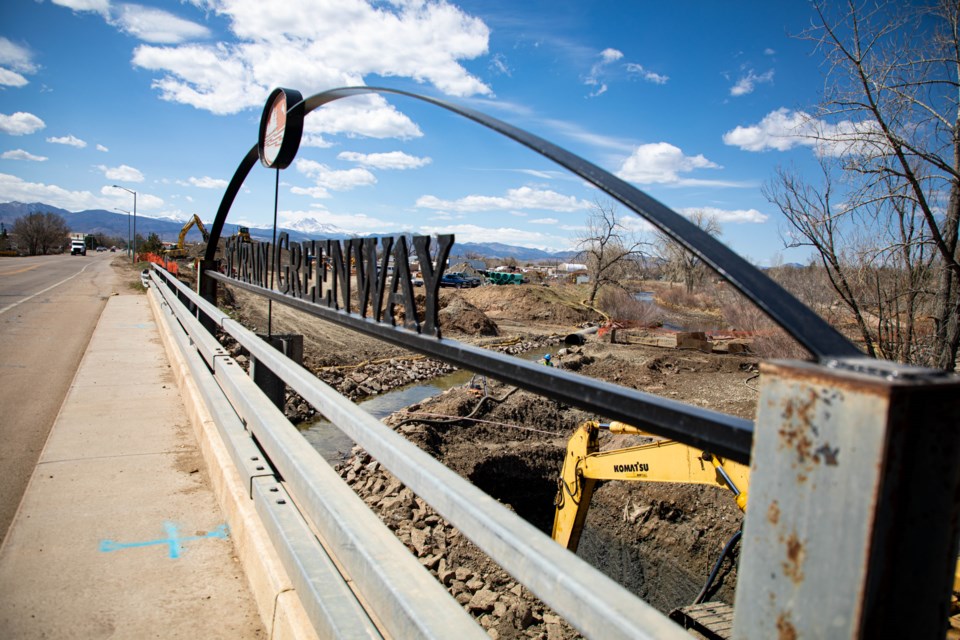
809	329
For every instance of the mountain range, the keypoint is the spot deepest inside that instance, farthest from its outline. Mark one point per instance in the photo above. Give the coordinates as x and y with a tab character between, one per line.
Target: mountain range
110	223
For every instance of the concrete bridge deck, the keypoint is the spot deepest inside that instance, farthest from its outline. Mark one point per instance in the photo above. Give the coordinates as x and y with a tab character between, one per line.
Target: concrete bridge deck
120	533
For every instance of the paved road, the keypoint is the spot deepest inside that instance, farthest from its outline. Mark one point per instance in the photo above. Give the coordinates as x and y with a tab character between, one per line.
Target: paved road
49	306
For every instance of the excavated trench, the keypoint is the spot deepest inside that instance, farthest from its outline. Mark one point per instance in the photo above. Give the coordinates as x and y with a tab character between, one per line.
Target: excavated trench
659	541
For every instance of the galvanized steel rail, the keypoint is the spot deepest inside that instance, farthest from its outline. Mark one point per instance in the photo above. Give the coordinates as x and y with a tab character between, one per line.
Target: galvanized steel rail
403	593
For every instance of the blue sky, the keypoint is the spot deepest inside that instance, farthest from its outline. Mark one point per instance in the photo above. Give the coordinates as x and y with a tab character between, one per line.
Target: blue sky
696	103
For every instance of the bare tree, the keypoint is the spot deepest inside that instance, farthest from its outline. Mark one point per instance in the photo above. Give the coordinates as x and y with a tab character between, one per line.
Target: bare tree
607	247
41	232
678	263
891	114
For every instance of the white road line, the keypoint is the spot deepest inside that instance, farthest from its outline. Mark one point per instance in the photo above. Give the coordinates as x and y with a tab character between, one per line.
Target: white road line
11	306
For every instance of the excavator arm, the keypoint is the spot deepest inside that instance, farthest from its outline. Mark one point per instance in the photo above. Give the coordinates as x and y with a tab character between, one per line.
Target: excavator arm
659	461
179	251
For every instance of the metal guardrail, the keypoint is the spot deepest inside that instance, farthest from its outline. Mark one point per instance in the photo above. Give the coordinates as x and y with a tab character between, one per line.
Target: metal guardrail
404	596
720	433
853	520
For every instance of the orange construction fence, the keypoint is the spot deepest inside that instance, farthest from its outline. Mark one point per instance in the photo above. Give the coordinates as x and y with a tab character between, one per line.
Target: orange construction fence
169	265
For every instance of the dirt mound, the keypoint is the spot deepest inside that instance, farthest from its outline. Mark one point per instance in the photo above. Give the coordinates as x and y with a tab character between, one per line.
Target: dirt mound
458	315
557	306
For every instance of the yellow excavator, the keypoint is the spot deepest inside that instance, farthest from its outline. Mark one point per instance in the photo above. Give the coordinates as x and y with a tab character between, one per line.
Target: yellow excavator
660	461
179	251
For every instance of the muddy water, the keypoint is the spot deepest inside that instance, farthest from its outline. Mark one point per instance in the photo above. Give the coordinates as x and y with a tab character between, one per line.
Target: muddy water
334	445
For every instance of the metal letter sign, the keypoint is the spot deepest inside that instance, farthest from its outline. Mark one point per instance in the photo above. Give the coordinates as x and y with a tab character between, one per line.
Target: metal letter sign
281	127
320	273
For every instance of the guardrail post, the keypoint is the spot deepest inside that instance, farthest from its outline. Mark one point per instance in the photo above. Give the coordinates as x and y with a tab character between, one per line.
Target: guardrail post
851	530
207	289
291	345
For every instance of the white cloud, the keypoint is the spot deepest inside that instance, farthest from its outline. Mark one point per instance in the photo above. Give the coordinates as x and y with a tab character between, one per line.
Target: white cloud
123	173
577	132
536	173
211	78
158	26
660	163
207	182
520	198
737	216
498	64
313	192
70	141
781	130
349	222
315	140
747	83
610	55
601	69
100	6
544	221
607	57
370	116
13	188
784	129
317	43
100	147
16	57
509	235
20	154
119	197
337	180
650	76
20	123
390	160
11	78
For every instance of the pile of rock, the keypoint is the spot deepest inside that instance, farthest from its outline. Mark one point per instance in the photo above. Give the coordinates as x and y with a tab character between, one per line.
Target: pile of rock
517	347
374	378
503	607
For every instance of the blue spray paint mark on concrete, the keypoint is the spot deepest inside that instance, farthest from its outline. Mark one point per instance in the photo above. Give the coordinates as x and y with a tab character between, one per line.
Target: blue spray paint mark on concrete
173	540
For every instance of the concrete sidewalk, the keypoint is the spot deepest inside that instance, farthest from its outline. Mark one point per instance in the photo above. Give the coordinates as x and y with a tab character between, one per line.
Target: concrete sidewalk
119	533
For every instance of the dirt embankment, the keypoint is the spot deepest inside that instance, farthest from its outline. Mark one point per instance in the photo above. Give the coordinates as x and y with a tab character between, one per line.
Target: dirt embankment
658	540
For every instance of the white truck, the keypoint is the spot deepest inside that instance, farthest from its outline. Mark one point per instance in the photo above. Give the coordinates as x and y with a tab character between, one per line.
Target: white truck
78	244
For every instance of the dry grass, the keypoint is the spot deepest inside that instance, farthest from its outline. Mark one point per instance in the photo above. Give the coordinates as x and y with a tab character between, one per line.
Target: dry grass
621	306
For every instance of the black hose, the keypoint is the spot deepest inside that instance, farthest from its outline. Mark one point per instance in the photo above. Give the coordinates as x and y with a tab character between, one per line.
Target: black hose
716	567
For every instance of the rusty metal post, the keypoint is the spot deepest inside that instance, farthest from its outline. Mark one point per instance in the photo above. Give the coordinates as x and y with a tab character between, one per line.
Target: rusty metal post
852	526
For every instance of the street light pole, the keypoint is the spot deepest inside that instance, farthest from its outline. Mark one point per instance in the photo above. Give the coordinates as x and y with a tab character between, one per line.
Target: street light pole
133	258
128	227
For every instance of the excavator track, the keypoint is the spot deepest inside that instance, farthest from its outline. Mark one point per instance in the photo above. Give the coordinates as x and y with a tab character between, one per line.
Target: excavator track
710	620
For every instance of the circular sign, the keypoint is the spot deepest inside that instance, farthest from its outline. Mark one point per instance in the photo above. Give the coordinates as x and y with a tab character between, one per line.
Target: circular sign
281	127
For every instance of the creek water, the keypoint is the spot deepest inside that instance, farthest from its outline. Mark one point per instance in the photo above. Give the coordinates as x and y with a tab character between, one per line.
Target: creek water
688	324
334	445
